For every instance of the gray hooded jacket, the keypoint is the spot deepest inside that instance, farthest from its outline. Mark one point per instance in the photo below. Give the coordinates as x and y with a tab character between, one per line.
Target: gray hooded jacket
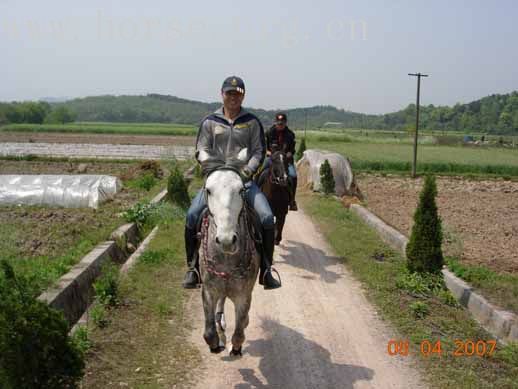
220	136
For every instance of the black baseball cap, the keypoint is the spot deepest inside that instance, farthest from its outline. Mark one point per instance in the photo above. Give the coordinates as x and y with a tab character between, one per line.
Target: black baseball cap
280	117
233	83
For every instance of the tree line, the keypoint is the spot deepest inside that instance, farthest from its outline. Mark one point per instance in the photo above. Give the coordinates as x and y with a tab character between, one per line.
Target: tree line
35	113
495	114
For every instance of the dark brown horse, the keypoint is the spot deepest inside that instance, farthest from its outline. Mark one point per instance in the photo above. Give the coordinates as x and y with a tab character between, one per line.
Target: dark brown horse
274	184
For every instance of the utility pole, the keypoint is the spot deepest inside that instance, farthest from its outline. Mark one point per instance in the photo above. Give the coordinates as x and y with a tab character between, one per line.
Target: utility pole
414	164
305	121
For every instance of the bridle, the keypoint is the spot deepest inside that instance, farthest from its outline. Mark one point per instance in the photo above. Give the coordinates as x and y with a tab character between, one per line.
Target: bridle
273	179
206	194
244	267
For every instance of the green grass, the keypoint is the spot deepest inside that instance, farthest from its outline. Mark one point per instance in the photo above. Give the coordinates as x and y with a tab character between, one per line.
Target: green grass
418	313
145	343
501	289
399	136
67	234
436	167
436	159
107	128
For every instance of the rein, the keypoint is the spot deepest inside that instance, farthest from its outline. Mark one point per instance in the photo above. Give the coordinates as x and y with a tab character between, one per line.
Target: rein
242	269
271	177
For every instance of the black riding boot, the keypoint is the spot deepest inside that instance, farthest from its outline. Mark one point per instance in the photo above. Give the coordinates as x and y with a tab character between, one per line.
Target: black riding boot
293	192
191	279
265	275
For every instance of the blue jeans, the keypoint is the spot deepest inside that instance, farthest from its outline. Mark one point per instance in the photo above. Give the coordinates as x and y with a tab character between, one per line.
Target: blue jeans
254	197
292	172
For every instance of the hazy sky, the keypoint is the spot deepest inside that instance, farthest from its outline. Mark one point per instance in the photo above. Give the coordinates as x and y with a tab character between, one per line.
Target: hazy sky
351	54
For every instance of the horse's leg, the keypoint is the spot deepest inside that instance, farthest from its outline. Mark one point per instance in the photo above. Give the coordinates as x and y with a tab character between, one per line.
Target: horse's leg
220	321
210	335
242	306
280	226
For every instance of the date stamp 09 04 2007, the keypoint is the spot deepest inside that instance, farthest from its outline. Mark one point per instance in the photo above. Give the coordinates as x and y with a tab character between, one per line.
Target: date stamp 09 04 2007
427	348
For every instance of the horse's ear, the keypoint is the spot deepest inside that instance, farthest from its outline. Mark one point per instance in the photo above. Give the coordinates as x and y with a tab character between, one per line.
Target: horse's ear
243	155
202	156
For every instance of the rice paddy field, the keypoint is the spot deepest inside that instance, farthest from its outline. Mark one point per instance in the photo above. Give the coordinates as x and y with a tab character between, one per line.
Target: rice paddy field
384	154
106	128
368	150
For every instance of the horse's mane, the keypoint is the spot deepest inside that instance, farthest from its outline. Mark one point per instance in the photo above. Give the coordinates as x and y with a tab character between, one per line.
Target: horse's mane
212	164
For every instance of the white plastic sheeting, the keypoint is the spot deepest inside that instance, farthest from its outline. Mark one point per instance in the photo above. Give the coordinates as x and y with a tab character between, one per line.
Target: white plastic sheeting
309	172
69	191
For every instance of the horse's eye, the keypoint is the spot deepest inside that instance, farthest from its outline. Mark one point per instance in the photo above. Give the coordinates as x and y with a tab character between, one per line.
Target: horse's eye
208	192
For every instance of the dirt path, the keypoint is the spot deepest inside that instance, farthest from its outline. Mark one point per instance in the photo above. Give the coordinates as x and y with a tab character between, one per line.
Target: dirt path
318	331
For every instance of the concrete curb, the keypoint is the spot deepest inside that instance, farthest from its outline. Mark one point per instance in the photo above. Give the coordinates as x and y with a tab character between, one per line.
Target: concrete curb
159	197
83	319
388	234
133	258
500	323
72	292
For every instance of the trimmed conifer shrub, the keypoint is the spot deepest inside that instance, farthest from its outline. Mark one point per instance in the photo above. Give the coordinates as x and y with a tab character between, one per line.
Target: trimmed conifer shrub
424	249
300	151
177	188
35	349
326	178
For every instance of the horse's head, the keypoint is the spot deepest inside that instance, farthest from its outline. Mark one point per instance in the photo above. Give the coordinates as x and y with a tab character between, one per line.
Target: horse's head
224	190
279	168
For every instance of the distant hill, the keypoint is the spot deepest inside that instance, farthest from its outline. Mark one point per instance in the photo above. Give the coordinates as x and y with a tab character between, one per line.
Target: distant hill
495	114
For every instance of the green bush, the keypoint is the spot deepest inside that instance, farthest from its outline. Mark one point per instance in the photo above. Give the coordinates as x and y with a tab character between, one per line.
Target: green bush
81	339
447	298
419	309
107	285
300	151
424	249
146	182
420	284
177	188
35	349
98	315
139	213
326	178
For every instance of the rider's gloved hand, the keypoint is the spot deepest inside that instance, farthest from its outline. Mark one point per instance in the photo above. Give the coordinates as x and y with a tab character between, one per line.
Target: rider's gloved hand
246	174
289	155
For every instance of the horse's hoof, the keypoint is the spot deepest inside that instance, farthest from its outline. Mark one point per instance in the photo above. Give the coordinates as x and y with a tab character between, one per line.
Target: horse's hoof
236	353
217	350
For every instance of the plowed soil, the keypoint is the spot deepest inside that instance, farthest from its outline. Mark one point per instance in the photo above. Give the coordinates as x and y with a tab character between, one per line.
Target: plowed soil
480	218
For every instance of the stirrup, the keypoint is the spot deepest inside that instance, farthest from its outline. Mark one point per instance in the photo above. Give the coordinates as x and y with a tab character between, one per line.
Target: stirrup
269	270
198	276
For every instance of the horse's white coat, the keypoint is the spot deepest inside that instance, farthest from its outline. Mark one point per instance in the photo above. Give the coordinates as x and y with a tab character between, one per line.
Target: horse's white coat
225	203
224	188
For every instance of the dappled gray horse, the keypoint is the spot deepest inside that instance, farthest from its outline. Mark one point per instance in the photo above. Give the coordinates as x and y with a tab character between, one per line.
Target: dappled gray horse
229	261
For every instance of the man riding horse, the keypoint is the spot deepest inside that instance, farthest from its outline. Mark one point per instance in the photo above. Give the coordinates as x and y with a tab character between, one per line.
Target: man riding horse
281	138
224	133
